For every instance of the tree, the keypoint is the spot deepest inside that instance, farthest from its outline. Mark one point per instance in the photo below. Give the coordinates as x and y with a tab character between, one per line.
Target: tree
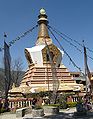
17	71
16	75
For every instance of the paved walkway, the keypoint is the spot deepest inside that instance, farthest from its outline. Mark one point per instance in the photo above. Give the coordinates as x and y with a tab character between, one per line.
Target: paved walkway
63	114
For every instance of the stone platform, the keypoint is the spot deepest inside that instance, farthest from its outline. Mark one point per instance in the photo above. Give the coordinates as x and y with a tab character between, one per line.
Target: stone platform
63	114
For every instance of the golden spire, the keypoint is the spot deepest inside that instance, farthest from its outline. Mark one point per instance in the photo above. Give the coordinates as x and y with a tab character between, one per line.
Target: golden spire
43	30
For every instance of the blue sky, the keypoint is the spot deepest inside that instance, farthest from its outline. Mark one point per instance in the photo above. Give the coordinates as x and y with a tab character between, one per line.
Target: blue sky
72	17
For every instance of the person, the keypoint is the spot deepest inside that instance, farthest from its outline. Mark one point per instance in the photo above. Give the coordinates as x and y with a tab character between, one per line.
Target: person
34	102
87	105
0	106
79	107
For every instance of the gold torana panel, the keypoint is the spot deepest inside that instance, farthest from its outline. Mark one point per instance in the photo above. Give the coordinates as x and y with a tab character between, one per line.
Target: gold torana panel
53	49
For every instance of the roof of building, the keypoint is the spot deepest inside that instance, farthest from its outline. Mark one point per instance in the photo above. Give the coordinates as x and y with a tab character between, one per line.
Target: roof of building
36	48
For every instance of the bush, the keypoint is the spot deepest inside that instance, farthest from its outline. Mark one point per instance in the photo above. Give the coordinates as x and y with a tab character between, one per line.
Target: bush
63	105
2	110
71	104
61	100
54	105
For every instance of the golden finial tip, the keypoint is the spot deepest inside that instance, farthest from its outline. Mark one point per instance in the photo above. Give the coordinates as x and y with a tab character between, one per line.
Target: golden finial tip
42	11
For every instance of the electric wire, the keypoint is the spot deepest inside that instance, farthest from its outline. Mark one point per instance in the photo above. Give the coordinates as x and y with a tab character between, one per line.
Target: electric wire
54	29
19	37
66	39
66	52
60	34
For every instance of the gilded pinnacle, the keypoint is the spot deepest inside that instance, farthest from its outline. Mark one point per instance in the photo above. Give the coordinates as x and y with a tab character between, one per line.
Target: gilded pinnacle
42	11
43	30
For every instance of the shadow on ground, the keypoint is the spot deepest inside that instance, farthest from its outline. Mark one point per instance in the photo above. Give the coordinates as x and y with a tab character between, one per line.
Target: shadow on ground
62	115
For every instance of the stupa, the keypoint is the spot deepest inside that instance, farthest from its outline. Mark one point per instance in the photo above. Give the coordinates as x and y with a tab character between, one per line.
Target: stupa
45	68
